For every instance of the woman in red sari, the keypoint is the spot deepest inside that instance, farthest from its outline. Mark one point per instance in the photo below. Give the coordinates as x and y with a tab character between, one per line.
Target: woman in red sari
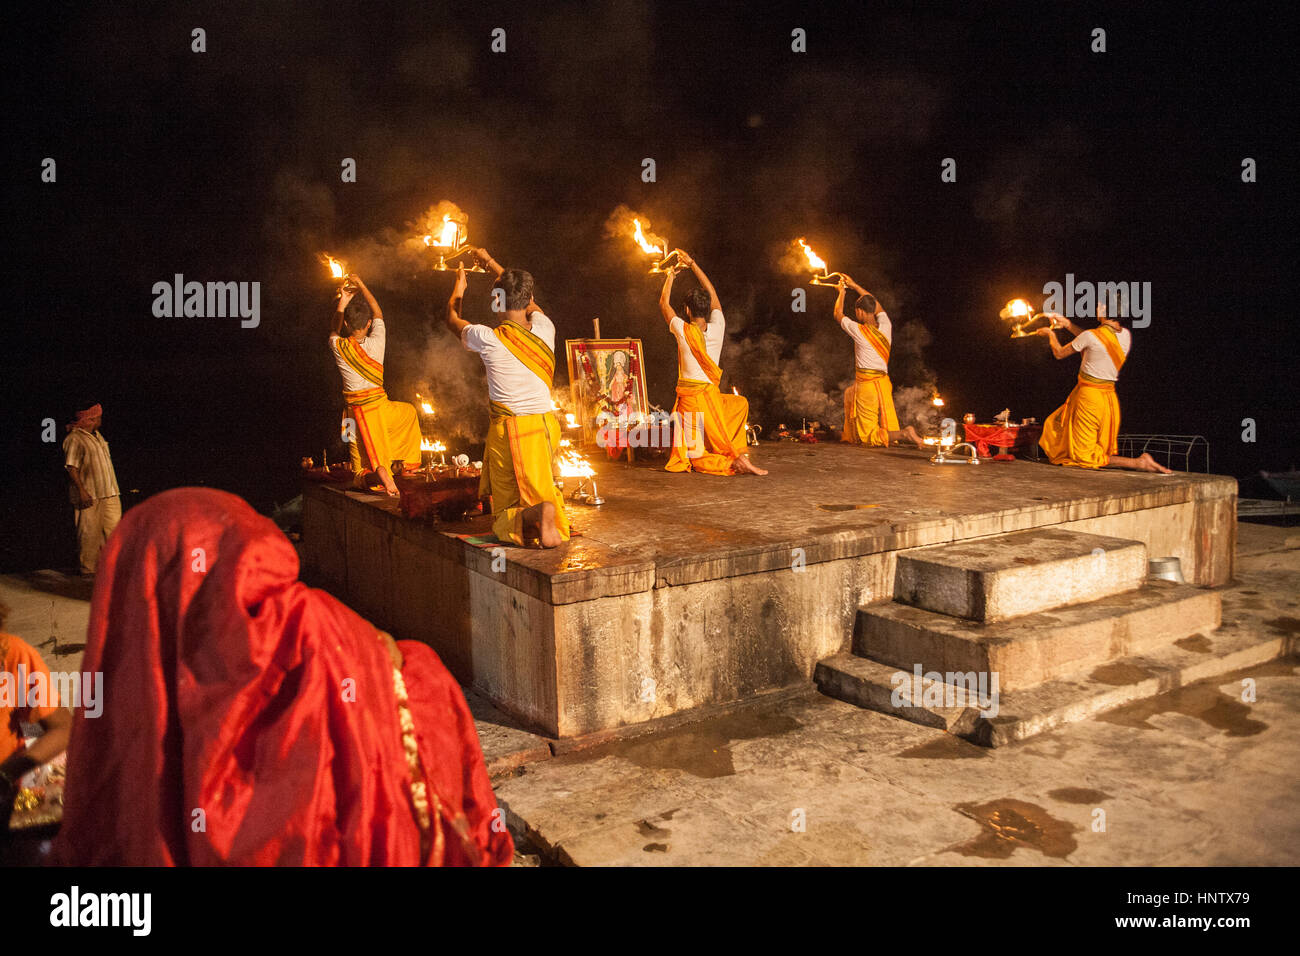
251	720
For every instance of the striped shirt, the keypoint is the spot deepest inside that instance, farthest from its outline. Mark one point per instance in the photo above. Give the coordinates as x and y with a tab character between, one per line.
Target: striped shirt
88	453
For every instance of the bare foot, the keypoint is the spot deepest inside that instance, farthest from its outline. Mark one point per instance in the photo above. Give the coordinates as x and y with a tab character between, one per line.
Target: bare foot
539	525
550	533
911	434
746	467
389	485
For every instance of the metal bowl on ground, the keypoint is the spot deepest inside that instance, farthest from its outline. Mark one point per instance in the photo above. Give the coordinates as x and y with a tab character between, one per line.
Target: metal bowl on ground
1166	569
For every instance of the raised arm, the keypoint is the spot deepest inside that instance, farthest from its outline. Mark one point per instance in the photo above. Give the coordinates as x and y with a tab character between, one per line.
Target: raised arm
375	311
1061	322
454	321
1059	351
861	291
345	296
839	302
664	296
714	302
485	257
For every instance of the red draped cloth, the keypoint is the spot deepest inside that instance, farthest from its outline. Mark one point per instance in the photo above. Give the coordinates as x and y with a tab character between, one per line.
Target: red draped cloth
250	720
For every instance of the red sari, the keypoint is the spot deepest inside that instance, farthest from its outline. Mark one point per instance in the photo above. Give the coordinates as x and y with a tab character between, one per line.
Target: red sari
250	720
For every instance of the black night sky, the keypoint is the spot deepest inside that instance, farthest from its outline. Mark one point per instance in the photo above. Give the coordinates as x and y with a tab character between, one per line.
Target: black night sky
225	166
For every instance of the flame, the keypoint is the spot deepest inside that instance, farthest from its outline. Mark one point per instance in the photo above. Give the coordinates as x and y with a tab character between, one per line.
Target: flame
937	401
450	230
426	408
1019	308
336	267
645	243
430	444
734	390
814	260
571	420
946	441
573	465
448	234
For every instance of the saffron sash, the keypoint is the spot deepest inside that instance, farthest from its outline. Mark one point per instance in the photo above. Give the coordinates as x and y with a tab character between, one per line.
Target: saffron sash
695	342
877	340
536	355
1110	340
360	362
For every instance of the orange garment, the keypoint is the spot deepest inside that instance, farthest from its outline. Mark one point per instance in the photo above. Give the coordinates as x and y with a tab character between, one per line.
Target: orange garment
21	661
709	429
1084	431
386	431
869	414
518	470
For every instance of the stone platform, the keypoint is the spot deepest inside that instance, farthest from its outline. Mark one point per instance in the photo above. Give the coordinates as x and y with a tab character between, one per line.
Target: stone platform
688	592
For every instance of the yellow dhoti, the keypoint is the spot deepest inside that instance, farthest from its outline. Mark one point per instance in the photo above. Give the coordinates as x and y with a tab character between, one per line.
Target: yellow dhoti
517	470
385	431
1083	432
869	414
708	429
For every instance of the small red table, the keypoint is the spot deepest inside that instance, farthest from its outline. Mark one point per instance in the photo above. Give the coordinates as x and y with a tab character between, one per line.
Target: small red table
1010	440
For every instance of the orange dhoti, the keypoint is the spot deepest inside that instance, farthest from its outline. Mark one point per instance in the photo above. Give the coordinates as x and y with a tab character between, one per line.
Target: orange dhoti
518	470
385	431
709	429
869	414
1083	432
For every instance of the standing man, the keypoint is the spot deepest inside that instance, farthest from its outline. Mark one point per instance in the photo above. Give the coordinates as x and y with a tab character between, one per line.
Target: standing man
523	434
709	427
869	416
96	500
385	431
1084	431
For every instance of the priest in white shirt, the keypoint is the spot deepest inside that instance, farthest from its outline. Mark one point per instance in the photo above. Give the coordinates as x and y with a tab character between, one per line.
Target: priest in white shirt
708	426
523	433
869	415
1084	431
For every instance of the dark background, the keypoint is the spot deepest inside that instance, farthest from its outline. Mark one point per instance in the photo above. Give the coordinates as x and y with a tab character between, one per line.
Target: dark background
224	166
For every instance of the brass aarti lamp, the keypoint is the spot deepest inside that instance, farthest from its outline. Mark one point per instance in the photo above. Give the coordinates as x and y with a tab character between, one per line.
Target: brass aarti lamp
450	242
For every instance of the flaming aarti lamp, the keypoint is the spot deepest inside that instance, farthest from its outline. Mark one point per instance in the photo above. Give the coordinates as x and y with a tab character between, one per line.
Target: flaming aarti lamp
1024	320
450	242
337	269
652	245
573	465
818	263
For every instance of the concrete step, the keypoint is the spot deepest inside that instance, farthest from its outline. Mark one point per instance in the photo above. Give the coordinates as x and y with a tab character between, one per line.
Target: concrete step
1038	647
1011	575
1017	715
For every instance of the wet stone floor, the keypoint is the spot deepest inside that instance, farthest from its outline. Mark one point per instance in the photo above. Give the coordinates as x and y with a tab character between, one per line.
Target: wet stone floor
1201	775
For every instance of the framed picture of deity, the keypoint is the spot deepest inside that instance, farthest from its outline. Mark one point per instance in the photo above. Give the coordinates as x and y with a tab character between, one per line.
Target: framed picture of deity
607	376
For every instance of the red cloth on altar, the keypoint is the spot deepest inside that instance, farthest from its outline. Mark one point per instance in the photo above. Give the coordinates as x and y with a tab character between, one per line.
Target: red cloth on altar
249	719
999	436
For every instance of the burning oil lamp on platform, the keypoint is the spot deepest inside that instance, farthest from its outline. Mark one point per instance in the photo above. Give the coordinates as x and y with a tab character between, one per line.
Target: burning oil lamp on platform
450	240
572	465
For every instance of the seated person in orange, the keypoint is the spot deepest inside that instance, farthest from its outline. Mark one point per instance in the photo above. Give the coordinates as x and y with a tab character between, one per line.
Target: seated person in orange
708	426
869	416
18	706
1083	432
383	431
